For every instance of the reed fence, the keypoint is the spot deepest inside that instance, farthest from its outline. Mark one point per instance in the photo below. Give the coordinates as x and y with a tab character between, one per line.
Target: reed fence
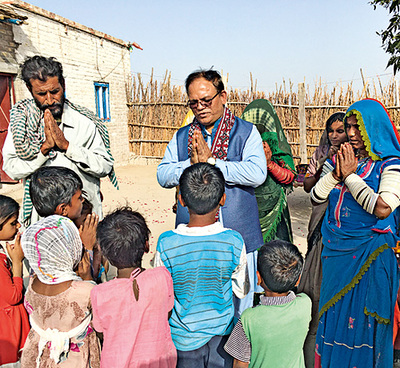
158	109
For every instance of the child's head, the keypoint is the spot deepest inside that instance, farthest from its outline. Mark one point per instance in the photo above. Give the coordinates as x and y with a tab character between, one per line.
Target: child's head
9	224
202	187
53	249
280	264
56	190
123	237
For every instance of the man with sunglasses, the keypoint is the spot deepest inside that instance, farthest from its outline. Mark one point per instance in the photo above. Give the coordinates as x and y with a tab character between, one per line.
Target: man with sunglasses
218	137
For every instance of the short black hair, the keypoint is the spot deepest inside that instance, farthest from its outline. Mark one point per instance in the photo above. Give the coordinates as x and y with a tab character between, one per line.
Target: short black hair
202	186
51	186
40	67
122	236
280	265
334	117
8	208
211	75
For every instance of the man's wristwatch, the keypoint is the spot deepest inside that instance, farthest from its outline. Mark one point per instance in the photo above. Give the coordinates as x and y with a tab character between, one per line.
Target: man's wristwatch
211	160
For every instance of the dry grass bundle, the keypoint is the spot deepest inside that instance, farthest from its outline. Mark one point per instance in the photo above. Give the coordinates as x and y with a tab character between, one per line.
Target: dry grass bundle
157	110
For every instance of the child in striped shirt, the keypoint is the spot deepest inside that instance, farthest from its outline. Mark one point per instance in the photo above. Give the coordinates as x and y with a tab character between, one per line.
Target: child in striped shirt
207	263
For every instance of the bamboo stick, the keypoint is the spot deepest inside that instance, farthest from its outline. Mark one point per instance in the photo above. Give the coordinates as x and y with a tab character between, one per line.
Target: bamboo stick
157	110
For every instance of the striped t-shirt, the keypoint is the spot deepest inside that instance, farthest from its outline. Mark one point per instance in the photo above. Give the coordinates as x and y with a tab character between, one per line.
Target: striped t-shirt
201	261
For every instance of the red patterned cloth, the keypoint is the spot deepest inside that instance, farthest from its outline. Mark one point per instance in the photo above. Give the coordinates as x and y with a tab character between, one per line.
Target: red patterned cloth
219	148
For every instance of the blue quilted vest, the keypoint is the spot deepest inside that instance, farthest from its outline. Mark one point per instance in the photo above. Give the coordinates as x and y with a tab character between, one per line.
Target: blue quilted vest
240	211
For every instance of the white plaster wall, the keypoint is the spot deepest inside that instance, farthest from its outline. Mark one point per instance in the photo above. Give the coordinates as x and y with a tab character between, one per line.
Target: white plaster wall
86	59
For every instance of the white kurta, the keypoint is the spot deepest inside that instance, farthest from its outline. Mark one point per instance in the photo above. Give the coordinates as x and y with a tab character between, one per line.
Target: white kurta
86	155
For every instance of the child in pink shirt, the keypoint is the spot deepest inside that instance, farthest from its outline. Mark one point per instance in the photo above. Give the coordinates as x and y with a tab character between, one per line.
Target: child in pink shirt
132	310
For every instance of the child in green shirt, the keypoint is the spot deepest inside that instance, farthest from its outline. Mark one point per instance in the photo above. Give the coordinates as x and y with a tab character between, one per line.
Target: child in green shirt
272	334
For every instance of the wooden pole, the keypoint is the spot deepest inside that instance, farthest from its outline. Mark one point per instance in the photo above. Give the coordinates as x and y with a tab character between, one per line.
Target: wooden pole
302	124
365	85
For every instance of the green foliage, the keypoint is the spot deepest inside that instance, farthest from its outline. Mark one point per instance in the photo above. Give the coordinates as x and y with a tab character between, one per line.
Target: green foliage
391	36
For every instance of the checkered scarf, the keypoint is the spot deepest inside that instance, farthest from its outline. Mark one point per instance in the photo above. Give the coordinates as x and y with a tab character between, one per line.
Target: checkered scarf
219	147
27	127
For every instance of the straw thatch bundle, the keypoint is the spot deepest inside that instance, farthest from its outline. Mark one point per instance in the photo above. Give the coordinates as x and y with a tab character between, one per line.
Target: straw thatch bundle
157	109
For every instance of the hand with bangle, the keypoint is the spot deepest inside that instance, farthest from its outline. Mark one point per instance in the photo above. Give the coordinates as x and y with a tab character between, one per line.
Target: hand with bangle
346	162
345	171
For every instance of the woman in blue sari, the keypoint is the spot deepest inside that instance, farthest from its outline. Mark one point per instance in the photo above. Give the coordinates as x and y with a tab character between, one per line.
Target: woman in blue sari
360	274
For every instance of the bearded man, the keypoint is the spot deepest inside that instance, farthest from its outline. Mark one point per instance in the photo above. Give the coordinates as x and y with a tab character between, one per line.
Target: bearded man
49	130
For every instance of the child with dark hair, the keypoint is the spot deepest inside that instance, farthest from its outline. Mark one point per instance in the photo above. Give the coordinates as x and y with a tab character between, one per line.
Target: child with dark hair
273	333
57	299
207	263
13	317
132	310
56	190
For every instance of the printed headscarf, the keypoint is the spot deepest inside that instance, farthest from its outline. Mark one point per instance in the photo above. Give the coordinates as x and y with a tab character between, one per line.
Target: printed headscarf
271	195
263	115
53	249
377	129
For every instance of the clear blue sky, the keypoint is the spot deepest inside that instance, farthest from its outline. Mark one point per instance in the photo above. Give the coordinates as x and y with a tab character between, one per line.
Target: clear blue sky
274	39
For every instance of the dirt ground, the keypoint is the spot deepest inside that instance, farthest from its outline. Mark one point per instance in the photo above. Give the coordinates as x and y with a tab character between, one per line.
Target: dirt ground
140	190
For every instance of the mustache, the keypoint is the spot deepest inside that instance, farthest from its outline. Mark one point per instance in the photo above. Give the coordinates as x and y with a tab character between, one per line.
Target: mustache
51	107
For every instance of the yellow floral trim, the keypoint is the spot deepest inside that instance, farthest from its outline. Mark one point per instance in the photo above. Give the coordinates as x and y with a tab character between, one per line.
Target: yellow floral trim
364	134
384	321
356	279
